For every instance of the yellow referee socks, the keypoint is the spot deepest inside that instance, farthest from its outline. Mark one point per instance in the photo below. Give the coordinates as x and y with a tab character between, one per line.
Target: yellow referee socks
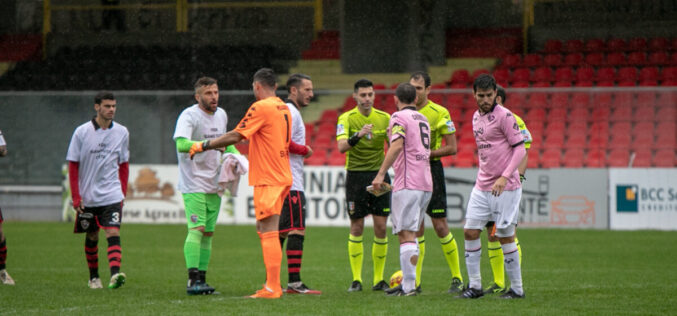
450	251
421	255
519	249
496	261
379	251
355	250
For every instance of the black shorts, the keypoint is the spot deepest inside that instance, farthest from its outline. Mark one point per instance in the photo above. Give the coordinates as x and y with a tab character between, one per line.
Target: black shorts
293	215
437	207
93	218
359	202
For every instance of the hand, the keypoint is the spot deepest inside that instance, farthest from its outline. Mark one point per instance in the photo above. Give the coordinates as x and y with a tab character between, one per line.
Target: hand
77	206
310	152
366	129
197	147
498	186
377	183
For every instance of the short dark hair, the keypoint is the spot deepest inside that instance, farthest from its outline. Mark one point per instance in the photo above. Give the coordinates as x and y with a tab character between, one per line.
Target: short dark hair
421	75
266	76
484	81
203	82
406	93
295	80
500	92
362	83
103	95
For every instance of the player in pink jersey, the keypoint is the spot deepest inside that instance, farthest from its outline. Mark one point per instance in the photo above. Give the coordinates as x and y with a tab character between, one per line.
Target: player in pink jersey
409	155
497	191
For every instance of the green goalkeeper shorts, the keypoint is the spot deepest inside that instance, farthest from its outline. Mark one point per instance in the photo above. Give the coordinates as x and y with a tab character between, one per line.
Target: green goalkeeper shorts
202	209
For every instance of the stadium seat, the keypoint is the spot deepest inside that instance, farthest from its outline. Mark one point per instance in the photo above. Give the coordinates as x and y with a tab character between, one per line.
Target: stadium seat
502	75
585	74
552	46
573	158
556	127
642	158
601	100
623	98
478	72
537	100
658	58
637	59
601	114
532	60
665	141
533	160
657	44
553	141
579	114
520	84
615	59
557	114
460	76
642	141
559	99
464	159
666	114
551	158
645	98
542	74
620	140
598	141
605	74
511	61
648	73
648	83
644	114
576	140
668	73
536	114
520	75
594	59
618	158
553	60
673	59
319	158
336	159
616	45
637	44
330	116
594	45
564	74
664	158
580	99
626	74
573	46
562	84
573	59
595	158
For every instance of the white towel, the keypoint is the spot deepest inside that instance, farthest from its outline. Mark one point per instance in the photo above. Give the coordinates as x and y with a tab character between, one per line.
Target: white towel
232	168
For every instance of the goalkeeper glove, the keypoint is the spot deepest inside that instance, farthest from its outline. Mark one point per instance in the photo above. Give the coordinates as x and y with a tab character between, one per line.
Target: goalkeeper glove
198	147
522	178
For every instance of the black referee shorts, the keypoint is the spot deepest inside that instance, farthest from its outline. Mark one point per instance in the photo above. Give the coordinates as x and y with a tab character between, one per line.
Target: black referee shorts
437	208
359	202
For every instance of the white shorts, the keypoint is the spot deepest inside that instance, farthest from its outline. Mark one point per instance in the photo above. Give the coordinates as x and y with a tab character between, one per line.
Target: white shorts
407	209
484	207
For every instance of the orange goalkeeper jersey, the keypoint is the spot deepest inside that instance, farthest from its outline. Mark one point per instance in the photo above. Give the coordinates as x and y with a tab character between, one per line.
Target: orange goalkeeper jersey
267	126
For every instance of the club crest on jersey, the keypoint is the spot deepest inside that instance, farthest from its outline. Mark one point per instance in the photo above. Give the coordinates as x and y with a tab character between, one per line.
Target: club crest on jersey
294	199
351	207
193	218
340	129
515	127
491	117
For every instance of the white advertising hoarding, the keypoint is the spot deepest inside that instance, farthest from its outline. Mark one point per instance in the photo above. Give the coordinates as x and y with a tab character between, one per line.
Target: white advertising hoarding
643	198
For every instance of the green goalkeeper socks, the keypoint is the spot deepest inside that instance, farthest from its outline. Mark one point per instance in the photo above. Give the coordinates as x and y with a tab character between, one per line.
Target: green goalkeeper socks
205	252
191	249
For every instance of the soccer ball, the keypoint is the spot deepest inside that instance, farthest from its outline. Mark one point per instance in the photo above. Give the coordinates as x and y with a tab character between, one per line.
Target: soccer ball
396	279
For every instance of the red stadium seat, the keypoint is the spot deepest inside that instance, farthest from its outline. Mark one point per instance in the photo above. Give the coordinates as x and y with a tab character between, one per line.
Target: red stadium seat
564	74
594	59
616	45
552	46
600	128
623	98
520	84
598	141
659	58
665	141
557	114
553	60
511	61
533	160
601	100
658	44
594	45
336	159
642	158
576	140
673	59
318	158
551	158
520	74
464	159
330	116
573	59
642	141
559	99
541	84
553	141
460	76
600	114
615	59
573	46
637	44
664	158
580	99
573	158
666	114
579	114
502	75
583	84
645	98
618	158
605	74
648	83
537	100
637	59
669	73
536	114
620	140
585	73
379	86
648	73
562	84
478	72
645	114
557	127
626	74
542	74
532	60
595	158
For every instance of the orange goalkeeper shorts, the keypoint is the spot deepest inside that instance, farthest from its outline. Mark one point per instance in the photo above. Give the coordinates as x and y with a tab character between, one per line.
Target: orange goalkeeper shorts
268	200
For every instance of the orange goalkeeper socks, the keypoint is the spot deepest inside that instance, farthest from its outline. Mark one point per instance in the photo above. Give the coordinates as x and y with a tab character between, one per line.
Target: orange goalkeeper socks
272	258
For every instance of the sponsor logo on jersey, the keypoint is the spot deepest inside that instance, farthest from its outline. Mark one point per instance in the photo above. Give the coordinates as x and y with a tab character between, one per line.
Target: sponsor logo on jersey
340	129
450	126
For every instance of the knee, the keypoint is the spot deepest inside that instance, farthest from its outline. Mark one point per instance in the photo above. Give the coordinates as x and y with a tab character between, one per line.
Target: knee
441	228
208	234
200	229
471	234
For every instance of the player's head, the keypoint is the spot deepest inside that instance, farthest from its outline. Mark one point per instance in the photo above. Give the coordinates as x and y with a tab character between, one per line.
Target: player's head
405	95
484	91
421	81
500	95
104	105
300	89
207	94
363	93
265	83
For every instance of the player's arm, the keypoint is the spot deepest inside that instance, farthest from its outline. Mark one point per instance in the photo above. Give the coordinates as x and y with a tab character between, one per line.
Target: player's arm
522	168
448	149
394	150
345	144
73	176
123	174
224	140
301	150
3	146
518	154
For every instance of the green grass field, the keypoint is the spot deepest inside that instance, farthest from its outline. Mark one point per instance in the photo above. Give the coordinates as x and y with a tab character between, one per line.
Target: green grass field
565	272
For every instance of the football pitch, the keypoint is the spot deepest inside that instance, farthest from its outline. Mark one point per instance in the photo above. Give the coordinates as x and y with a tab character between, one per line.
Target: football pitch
575	272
